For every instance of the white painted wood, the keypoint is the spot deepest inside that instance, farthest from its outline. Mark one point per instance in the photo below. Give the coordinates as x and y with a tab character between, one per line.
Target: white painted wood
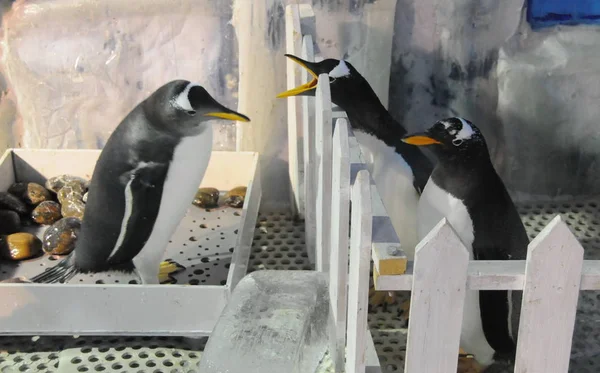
436	308
492	275
323	141
360	261
552	279
340	215
293	45
310	165
372	364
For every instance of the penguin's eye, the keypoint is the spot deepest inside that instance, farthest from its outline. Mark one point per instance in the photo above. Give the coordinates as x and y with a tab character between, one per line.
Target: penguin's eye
457	142
191	112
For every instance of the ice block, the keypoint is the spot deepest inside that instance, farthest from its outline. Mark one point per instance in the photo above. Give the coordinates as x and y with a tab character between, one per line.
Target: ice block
276	321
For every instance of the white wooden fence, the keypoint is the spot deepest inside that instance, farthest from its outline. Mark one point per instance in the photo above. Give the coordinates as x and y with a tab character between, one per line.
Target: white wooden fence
334	175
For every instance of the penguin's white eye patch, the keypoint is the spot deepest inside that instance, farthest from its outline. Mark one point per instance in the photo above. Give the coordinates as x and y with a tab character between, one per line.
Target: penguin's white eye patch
452	132
183	101
340	70
466	132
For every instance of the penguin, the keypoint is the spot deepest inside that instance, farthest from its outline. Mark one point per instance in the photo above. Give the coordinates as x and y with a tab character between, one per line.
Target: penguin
465	189
144	181
399	170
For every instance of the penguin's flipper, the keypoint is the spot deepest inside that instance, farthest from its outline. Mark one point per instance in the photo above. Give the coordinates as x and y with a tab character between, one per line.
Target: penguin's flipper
142	184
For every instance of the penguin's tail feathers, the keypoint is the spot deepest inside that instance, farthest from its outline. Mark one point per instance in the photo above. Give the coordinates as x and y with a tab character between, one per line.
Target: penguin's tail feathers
62	272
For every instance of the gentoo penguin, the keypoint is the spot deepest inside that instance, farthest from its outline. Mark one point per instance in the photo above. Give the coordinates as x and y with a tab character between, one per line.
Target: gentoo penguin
143	183
400	171
465	189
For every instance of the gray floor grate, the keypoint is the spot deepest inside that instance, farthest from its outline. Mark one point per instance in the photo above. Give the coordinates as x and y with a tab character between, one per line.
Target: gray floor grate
279	244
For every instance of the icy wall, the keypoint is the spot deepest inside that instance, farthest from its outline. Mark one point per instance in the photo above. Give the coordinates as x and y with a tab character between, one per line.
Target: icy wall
532	92
71	69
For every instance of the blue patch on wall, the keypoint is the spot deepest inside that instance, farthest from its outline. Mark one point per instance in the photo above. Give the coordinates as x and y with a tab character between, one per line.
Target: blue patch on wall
546	13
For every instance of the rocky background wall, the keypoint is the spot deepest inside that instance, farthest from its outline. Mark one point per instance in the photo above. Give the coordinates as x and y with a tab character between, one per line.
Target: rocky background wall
72	69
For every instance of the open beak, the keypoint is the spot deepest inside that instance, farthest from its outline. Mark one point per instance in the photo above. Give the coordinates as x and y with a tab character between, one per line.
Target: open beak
419	139
304	87
226	113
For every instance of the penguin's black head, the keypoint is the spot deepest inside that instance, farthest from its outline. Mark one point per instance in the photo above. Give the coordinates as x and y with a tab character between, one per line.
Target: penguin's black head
185	107
451	136
347	86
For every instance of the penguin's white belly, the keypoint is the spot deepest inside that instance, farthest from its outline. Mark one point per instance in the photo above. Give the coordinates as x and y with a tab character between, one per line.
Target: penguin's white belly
187	168
394	180
433	206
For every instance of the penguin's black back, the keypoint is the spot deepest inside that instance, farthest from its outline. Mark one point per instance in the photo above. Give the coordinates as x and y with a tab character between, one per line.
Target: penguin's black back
499	234
135	140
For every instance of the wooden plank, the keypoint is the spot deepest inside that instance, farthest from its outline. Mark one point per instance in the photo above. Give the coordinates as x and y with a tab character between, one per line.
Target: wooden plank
358	286
340	218
436	307
552	279
310	165
372	360
492	275
293	45
323	140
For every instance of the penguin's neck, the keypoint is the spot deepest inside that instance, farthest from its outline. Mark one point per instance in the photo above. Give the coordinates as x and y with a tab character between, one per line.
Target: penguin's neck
372	118
459	176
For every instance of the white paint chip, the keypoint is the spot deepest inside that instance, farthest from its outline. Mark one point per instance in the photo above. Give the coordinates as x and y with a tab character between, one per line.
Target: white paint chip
183	101
340	70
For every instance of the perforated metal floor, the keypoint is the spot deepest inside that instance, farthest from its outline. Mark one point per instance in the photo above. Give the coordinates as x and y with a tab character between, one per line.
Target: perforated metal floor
279	244
203	243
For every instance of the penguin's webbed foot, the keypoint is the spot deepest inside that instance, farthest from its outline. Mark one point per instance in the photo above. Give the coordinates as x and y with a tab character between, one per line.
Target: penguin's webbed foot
167	269
381	298
467	363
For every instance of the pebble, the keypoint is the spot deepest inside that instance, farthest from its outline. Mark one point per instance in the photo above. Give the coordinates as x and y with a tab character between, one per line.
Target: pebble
10	222
60	238
56	183
206	197
20	246
31	193
46	213
72	208
71	191
10	202
235	197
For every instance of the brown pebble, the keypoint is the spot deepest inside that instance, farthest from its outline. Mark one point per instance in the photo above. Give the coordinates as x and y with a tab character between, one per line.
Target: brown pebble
60	238
46	213
206	198
20	246
71	191
235	197
10	222
56	183
31	193
72	208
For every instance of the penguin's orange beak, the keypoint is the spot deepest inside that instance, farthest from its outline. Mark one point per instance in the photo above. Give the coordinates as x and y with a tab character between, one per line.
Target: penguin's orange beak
304	87
419	139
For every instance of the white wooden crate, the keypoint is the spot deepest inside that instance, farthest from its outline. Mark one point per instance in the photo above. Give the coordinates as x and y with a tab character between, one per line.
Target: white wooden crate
190	307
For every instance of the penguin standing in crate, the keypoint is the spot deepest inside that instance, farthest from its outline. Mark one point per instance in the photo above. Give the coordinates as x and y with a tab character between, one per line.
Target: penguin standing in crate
143	183
399	170
465	189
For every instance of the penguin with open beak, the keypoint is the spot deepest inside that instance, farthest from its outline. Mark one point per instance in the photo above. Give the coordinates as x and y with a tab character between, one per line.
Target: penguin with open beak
399	170
465	189
143	183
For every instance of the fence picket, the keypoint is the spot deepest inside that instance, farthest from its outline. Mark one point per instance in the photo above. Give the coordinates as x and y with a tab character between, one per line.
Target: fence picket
323	140
436	308
293	45
360	261
552	284
310	166
338	271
